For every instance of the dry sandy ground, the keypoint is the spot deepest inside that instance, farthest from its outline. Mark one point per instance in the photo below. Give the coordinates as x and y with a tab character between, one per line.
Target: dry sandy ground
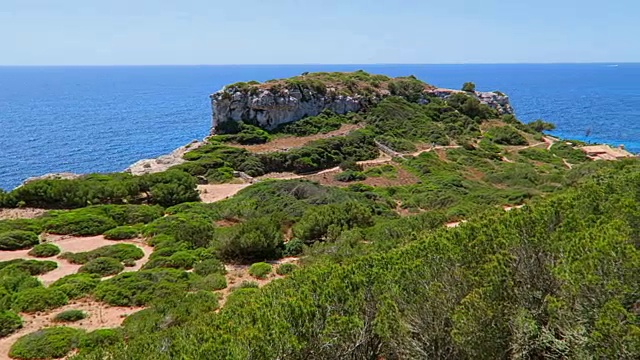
289	142
75	244
25	213
237	274
100	316
215	192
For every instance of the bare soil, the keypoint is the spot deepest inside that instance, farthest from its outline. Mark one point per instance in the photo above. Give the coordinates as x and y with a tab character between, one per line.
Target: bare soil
100	316
237	274
75	244
215	192
289	142
24	213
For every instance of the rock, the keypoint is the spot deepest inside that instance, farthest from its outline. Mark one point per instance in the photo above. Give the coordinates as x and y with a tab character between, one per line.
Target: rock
164	162
53	176
271	107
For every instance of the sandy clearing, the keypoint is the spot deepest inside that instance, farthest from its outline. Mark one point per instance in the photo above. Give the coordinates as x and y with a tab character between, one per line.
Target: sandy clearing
237	274
290	142
100	316
69	243
24	213
215	192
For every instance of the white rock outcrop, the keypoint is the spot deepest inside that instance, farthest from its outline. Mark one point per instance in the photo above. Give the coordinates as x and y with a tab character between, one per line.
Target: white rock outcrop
268	109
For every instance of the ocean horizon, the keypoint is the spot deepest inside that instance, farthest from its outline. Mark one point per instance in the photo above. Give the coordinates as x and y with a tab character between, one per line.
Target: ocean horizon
104	118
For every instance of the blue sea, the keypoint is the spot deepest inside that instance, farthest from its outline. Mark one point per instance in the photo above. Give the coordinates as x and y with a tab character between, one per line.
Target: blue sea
102	119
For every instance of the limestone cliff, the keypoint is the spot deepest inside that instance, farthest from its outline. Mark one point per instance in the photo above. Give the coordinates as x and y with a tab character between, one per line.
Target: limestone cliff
277	102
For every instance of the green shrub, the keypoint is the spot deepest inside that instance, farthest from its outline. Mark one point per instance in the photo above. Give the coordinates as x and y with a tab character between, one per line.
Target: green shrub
18	240
48	343
9	322
388	171
32	267
350	165
349	175
505	135
211	282
70	316
469	87
209	266
44	250
540	125
293	247
569	152
120	252
286	269
260	270
103	266
101	338
76	286
197	231
39	299
129	263
70	223
182	260
254	239
323	123
141	287
397	143
122	233
247	135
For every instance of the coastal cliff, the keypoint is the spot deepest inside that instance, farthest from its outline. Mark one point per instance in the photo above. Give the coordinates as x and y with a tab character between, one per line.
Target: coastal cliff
278	102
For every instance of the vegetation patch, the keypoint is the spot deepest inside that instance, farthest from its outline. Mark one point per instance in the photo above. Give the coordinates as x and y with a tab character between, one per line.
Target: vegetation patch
10	322
76	286
286	269
70	316
260	270
102	266
39	299
32	267
505	135
48	343
18	240
120	252
44	250
123	233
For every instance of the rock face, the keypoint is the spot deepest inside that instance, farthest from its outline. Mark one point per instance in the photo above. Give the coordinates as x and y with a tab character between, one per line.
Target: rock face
162	163
268	108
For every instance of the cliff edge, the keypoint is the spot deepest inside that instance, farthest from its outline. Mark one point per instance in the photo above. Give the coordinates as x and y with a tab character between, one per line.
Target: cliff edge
278	102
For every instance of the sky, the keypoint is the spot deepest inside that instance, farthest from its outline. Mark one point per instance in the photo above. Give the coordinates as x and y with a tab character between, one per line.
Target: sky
199	32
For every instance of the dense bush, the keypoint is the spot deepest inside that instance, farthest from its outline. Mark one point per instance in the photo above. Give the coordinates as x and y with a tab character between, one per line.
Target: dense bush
72	223
293	247
100	338
350	165
70	316
327	221
122	233
195	230
166	188
469	87
103	266
246	134
10	322
48	343
76	286
323	123
39	299
32	267
569	152
209	266
18	240
540	125
285	269
505	135
349	175
211	282
120	252
399	144
254	239
44	250
141	287
260	270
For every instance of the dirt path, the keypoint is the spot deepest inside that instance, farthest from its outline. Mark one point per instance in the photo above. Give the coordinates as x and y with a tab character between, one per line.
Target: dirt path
24	213
215	192
75	244
100	316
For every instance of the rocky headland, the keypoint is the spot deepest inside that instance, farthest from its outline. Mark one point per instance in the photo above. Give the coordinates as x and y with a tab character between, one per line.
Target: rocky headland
278	102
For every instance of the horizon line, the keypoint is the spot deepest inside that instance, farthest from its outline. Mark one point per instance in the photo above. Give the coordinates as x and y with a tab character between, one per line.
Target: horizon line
325	64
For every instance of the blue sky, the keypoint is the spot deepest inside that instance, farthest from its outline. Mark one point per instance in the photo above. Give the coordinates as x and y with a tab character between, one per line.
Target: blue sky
138	32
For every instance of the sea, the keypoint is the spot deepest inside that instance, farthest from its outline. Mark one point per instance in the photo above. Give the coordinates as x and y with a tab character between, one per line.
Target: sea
102	119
